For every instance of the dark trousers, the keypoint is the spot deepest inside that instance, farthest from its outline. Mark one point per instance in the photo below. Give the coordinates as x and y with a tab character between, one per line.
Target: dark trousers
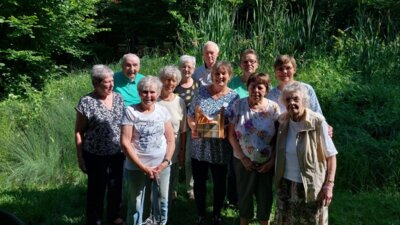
231	194
104	173
200	175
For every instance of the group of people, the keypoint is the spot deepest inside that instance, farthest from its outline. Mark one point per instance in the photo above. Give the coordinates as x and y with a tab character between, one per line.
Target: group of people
134	131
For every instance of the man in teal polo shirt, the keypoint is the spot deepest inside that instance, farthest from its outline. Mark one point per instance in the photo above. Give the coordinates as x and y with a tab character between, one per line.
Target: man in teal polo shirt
126	81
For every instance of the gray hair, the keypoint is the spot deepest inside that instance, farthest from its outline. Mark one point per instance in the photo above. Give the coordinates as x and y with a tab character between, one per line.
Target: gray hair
170	71
211	43
296	87
149	81
128	55
187	58
99	72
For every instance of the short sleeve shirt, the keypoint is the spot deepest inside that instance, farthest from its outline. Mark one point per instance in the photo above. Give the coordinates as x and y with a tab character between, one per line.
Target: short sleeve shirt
148	134
239	87
255	130
127	88
203	75
187	93
102	135
275	94
212	150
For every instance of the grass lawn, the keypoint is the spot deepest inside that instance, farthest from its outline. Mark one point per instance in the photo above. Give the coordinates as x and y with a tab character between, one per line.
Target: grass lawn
62	205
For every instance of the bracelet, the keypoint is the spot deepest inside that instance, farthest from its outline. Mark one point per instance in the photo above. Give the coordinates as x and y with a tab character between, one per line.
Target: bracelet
330	182
168	161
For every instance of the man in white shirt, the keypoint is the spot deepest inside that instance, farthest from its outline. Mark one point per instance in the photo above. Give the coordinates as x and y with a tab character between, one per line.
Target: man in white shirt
210	55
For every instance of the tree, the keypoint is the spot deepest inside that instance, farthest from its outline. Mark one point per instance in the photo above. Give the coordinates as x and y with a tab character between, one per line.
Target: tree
37	37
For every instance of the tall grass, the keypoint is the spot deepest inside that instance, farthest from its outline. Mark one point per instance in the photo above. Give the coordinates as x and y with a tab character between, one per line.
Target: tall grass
43	151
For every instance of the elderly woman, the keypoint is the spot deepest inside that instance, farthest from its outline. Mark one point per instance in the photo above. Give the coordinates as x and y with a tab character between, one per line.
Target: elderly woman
305	161
147	138
251	131
185	90
97	134
170	77
215	101
248	65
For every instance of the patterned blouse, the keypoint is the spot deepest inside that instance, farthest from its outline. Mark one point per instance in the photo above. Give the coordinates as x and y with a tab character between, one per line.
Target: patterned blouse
254	130
212	150
102	135
187	93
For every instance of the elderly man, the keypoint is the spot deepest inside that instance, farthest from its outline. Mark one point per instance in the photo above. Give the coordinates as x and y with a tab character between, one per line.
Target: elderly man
125	81
210	54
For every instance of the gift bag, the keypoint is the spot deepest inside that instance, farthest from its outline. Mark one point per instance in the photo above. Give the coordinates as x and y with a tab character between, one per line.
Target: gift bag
210	126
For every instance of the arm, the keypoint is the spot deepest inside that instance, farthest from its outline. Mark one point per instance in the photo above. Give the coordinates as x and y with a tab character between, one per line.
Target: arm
192	125
182	135
182	148
80	128
170	137
130	152
237	149
327	193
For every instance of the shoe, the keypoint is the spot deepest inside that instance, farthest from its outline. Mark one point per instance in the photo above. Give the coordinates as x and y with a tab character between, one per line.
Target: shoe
174	195
200	220
217	220
118	221
191	195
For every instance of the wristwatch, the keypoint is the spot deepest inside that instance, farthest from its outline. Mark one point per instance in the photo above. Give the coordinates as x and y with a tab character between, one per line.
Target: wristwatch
168	161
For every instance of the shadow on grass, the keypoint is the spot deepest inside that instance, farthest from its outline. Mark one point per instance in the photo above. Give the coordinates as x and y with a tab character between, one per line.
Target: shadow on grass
63	205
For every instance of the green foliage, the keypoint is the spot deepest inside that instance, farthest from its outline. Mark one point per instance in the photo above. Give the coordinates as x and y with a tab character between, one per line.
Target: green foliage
39	147
37	34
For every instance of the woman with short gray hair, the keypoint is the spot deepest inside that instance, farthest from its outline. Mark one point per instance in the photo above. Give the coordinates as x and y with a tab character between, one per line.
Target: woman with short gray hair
147	138
97	134
305	165
185	90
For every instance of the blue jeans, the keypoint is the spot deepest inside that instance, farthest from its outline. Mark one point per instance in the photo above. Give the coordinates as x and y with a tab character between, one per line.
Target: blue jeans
137	185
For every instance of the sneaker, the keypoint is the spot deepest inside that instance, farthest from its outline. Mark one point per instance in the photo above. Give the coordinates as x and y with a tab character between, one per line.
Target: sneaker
200	220
217	220
191	195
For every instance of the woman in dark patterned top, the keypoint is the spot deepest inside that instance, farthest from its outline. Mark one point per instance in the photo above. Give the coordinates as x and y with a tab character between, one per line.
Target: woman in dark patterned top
97	137
185	90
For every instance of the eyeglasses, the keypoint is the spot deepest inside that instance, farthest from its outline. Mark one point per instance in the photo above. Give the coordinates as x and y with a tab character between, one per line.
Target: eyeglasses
249	61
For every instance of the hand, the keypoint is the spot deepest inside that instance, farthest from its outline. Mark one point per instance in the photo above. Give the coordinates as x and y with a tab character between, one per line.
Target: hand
150	172
330	131
161	167
194	134
265	167
247	163
327	194
81	163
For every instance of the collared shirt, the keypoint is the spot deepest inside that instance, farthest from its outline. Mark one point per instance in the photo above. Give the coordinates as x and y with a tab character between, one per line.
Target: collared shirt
127	87
238	86
202	75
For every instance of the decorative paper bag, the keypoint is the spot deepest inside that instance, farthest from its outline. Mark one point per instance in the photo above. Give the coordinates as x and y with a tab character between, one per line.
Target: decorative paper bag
210	127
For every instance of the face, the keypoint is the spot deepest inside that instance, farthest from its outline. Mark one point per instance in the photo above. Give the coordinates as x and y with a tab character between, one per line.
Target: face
149	96
169	84
221	77
131	67
187	69
294	105
285	73
210	55
249	63
105	87
257	91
